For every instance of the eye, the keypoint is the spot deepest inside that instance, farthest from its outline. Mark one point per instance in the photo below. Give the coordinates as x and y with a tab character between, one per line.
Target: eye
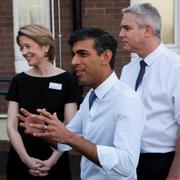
83	53
28	46
126	28
20	48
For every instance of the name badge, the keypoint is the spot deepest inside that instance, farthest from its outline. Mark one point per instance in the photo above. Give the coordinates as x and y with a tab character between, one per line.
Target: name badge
56	86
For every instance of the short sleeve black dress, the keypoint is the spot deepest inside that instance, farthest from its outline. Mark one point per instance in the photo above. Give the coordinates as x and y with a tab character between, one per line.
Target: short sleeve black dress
51	93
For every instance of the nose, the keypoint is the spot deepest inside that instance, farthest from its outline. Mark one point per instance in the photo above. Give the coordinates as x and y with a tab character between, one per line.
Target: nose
23	51
75	60
121	33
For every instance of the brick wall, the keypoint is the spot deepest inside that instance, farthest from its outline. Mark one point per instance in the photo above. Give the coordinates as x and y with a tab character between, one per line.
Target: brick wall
66	29
6	46
6	40
106	14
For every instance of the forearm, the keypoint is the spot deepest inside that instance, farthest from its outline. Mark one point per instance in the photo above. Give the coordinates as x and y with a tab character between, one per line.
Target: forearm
54	157
174	173
17	143
84	147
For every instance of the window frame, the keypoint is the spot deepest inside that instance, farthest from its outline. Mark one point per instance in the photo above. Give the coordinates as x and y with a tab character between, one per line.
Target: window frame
20	62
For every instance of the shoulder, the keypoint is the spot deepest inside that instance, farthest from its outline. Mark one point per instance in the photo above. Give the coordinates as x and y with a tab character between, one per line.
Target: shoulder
18	76
124	91
70	76
126	97
170	59
171	56
131	64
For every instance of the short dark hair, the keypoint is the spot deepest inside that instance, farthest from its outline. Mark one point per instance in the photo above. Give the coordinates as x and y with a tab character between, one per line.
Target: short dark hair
103	40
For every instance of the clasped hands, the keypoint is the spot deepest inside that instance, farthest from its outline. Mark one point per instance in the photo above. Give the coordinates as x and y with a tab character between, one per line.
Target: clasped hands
38	167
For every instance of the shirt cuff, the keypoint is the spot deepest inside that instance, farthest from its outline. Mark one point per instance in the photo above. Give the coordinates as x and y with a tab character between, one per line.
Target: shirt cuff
63	147
108	157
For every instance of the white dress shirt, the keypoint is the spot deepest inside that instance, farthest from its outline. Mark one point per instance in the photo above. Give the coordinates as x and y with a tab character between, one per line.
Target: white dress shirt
114	123
160	93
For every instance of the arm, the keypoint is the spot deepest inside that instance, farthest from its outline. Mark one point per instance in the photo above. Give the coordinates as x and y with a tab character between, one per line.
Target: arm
15	137
79	144
61	134
174	173
56	131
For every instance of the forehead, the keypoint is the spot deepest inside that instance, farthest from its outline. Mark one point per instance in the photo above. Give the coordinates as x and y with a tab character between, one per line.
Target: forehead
84	44
25	39
128	19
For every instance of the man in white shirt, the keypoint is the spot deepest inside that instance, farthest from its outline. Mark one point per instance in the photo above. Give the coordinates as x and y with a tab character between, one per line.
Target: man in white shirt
159	89
108	134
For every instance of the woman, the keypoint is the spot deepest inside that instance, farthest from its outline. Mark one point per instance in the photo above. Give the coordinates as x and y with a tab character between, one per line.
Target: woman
42	86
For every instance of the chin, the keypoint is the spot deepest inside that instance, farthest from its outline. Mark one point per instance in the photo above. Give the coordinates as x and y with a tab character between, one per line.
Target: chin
83	81
30	64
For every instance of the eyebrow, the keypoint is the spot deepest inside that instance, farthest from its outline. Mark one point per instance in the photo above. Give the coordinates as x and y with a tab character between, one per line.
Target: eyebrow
80	51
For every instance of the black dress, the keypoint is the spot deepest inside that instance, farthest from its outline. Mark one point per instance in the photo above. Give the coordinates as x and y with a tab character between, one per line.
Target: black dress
51	93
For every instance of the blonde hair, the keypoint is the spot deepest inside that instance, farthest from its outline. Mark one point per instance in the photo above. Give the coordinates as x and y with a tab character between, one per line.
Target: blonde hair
40	35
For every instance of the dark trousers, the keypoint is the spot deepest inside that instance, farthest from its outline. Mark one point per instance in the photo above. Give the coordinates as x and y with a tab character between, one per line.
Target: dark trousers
154	166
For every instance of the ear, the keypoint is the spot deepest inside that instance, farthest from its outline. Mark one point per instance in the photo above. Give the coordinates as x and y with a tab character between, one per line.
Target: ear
46	48
148	31
106	56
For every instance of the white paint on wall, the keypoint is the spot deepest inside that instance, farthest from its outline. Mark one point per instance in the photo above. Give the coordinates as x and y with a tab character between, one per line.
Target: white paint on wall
3	132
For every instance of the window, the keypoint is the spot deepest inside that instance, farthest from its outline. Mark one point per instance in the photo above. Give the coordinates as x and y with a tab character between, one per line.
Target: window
170	21
27	12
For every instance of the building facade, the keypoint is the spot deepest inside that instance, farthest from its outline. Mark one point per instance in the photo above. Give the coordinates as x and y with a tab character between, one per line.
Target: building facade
63	17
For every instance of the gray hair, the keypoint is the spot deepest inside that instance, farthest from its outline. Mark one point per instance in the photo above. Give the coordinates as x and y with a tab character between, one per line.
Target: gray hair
146	15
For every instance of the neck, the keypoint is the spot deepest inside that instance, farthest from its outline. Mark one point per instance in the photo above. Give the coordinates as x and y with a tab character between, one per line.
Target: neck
44	70
149	47
102	78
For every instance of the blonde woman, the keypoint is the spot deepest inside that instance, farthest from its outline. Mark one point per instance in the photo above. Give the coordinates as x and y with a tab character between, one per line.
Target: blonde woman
42	86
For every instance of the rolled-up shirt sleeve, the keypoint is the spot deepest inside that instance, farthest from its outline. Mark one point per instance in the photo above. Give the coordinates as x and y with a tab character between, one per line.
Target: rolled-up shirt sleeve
107	156
63	147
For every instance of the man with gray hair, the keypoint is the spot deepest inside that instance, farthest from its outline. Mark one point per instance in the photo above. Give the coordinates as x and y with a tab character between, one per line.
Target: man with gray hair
154	75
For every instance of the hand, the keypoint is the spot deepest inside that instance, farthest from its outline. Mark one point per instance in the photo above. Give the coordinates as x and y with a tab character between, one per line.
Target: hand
28	118
55	129
34	164
42	170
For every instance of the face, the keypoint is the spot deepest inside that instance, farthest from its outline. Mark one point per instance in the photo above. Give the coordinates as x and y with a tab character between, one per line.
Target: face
33	53
87	63
131	35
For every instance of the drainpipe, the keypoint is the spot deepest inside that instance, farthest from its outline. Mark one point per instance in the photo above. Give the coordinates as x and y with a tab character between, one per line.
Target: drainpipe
76	14
77	19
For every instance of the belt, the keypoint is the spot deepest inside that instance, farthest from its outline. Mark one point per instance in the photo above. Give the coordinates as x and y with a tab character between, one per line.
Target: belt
157	154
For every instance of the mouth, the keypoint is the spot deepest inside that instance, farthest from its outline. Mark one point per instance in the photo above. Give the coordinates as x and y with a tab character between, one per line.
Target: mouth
79	71
27	57
123	42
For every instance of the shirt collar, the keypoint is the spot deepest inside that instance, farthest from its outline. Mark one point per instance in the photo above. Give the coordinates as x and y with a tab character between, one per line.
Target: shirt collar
106	85
153	55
